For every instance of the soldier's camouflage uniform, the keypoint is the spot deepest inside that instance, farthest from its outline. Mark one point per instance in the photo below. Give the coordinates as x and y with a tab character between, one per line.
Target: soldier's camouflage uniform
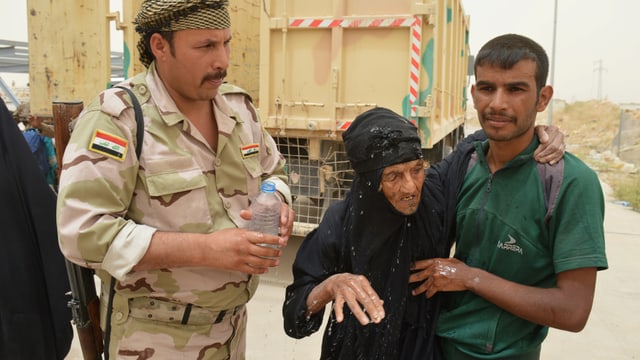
110	204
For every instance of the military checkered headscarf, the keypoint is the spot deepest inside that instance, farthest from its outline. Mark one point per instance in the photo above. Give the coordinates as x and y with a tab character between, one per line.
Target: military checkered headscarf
171	15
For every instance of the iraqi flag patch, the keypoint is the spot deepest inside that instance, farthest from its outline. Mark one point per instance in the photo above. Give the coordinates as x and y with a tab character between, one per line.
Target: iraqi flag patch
109	145
250	150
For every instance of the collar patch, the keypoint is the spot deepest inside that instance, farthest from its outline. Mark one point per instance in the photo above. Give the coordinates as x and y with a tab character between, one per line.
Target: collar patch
250	150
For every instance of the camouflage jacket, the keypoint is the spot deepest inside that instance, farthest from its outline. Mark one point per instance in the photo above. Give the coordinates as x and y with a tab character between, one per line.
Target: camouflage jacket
110	202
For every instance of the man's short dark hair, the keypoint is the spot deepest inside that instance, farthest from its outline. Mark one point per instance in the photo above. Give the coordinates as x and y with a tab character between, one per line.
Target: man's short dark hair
167	35
507	50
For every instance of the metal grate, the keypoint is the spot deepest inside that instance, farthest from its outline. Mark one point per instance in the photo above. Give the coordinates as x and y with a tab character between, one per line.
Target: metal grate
316	178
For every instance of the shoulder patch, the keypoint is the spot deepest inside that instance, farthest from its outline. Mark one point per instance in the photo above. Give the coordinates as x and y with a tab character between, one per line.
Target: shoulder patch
109	145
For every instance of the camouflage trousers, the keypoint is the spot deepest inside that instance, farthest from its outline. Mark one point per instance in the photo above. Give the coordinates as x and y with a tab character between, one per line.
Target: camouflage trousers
148	328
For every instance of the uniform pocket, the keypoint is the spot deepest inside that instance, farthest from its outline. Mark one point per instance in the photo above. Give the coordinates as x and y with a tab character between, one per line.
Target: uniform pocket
173	175
253	166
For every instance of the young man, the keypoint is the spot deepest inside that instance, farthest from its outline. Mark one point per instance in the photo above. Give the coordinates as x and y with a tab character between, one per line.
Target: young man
516	271
167	226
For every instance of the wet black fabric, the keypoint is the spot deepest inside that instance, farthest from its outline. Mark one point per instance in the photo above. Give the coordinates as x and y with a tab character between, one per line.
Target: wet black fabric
378	138
378	242
35	322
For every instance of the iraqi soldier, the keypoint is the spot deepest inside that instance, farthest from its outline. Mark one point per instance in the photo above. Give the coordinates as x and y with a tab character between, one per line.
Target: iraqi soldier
168	228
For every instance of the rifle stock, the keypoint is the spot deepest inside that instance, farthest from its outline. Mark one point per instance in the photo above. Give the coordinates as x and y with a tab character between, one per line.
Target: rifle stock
85	308
85	303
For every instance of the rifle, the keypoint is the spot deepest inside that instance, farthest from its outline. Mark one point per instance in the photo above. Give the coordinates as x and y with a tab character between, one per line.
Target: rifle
84	303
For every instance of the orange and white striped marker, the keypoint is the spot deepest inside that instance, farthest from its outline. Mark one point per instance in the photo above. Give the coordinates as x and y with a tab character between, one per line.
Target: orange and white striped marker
413	22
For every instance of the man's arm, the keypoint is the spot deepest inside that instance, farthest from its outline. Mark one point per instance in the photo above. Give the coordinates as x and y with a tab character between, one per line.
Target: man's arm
44	128
565	306
228	249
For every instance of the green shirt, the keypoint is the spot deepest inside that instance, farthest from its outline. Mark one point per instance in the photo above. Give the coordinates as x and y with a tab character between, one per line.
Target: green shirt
501	229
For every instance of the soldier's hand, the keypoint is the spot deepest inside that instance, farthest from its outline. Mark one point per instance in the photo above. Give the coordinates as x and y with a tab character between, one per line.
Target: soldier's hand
243	250
287	217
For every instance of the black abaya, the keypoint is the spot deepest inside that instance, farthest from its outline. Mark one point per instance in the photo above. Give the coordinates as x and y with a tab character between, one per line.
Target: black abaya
35	322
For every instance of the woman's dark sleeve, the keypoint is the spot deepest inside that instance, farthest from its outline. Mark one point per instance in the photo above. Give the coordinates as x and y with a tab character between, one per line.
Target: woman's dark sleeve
442	183
317	258
439	172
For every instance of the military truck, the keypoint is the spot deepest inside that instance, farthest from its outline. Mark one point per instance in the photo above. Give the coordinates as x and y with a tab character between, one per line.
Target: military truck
324	62
310	66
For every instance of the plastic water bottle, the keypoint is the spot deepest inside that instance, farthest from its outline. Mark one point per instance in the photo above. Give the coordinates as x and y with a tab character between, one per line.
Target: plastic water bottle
265	211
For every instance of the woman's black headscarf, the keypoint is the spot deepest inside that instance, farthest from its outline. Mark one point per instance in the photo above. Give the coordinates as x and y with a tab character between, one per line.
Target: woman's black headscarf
382	243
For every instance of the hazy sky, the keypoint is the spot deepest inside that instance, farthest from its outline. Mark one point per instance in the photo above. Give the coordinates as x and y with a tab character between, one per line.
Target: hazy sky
597	42
589	35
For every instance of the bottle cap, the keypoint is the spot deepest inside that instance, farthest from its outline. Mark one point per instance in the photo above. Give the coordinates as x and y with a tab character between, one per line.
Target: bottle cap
268	186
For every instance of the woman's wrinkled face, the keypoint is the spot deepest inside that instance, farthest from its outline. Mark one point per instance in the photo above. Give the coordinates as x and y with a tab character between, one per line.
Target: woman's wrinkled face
402	185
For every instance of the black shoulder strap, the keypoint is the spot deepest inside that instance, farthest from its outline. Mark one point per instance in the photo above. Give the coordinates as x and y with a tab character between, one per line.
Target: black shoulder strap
139	138
139	119
551	178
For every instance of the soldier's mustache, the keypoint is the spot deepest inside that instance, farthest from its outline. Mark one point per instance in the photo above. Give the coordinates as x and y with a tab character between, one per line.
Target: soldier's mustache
216	76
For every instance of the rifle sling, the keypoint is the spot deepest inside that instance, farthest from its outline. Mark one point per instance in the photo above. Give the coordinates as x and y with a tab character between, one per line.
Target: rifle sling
139	138
139	120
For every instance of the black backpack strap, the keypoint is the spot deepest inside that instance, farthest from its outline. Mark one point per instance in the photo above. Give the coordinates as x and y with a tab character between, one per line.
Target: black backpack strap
139	119
551	178
112	286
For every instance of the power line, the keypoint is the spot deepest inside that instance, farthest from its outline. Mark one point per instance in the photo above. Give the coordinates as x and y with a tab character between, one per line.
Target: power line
599	69
553	58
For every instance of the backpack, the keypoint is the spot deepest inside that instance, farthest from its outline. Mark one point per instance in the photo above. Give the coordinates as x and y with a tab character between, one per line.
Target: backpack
38	149
551	178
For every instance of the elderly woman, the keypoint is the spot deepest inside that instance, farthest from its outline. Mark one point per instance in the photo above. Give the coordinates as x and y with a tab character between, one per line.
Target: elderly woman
361	253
